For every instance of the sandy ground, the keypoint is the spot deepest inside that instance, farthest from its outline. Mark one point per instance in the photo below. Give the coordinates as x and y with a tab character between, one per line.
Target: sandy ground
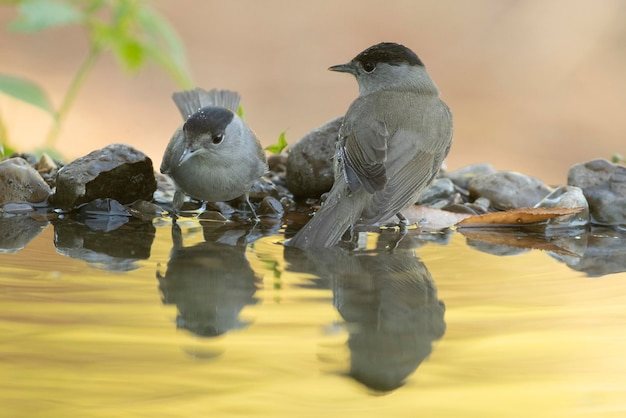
535	86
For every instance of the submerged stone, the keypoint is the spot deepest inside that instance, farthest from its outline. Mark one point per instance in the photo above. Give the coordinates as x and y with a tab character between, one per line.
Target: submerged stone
117	171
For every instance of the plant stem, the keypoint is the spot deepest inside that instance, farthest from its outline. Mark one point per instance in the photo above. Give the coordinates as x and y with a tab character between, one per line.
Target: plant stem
72	92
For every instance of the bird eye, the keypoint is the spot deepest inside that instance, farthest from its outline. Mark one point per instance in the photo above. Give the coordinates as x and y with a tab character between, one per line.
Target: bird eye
368	67
218	138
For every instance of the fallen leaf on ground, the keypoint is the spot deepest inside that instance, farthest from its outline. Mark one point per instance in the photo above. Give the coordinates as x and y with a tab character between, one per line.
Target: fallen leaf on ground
520	216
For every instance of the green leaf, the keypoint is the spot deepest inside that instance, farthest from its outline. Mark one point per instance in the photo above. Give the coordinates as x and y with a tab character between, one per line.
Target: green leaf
26	91
38	15
240	112
279	146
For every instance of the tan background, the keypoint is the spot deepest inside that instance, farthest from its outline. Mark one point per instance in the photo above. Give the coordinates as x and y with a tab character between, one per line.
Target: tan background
535	86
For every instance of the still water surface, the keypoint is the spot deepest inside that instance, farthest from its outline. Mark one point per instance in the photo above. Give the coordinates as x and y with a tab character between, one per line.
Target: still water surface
214	321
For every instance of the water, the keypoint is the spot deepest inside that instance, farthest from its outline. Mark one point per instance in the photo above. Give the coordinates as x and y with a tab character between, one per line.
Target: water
144	320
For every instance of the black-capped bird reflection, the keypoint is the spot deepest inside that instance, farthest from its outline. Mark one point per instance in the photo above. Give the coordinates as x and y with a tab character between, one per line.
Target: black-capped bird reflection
211	282
389	302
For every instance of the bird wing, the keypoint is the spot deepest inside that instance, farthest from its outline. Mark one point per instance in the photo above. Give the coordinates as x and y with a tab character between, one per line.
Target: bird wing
412	164
190	101
363	154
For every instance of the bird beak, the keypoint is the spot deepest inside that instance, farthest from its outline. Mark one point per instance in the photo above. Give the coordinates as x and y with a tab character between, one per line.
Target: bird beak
187	154
344	68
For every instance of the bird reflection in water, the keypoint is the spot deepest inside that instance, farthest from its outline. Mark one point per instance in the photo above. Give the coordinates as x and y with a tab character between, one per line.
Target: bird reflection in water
389	303
211	282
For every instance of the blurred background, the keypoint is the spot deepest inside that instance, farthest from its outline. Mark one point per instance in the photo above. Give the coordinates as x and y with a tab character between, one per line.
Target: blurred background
534	86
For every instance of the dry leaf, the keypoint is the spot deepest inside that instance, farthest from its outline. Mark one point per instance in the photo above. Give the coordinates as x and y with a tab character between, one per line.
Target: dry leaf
522	216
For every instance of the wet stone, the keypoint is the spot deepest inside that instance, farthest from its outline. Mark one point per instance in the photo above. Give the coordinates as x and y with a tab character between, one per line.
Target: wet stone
20	182
566	197
309	165
604	187
508	190
270	206
116	171
463	176
441	189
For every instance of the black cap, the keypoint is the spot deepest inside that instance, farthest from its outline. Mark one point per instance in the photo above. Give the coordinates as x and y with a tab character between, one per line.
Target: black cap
390	53
210	119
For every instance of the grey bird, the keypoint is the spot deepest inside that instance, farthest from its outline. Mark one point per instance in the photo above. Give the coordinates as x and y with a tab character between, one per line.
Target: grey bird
390	147
213	156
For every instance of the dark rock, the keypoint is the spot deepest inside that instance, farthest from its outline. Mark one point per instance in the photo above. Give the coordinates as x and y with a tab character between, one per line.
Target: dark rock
604	186
116	171
508	190
277	163
261	188
441	189
270	206
19	182
309	165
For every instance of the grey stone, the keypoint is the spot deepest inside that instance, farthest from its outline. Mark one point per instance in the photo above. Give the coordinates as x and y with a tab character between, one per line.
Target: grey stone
19	182
116	171
566	197
442	188
604	186
508	190
270	206
463	176
309	165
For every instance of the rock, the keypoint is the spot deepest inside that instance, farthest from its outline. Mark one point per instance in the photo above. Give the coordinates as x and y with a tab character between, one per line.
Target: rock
116	171
270	206
566	197
508	190
442	188
463	176
309	165
19	182
277	163
604	186
261	188
46	164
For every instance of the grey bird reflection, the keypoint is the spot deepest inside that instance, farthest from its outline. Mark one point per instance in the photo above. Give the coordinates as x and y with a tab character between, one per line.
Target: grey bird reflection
211	282
390	305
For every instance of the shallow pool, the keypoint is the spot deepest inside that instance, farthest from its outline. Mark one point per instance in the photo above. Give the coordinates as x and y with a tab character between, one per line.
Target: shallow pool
214	320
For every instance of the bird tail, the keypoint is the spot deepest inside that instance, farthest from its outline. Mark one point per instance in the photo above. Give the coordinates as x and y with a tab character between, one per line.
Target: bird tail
337	214
190	101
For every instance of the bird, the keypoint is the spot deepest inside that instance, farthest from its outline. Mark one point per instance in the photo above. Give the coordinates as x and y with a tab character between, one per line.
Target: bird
213	156
390	146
